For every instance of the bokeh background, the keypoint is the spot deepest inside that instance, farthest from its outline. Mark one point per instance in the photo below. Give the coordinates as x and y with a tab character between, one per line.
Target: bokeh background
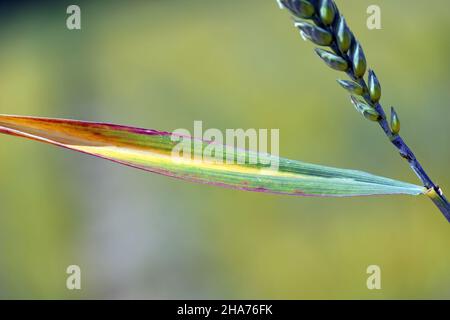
232	64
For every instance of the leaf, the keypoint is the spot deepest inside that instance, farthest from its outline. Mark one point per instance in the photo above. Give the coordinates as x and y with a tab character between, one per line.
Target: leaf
151	150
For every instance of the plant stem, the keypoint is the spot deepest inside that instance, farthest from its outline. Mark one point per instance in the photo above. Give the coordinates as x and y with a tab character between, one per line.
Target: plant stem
434	192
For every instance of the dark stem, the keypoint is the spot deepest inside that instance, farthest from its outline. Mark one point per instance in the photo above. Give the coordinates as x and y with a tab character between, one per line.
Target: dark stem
433	191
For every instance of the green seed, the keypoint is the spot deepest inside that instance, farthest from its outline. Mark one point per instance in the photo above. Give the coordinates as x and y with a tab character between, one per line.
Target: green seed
372	115
299	8
367	111
306	9
352	87
327	12
374	87
395	122
315	34
333	61
359	61
343	36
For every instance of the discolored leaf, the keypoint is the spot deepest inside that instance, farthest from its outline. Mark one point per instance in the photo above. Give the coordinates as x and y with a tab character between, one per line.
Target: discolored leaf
153	151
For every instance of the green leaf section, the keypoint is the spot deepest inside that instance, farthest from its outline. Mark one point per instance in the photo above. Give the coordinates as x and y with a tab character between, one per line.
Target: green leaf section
160	152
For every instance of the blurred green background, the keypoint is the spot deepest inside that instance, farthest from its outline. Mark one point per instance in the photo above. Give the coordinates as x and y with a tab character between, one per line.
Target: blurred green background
232	64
